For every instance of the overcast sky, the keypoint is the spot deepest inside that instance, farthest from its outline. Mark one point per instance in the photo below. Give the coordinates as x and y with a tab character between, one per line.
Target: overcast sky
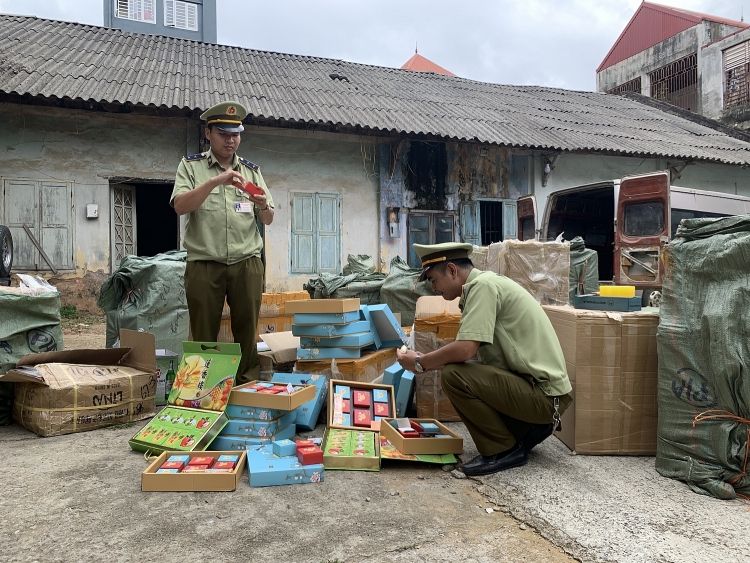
556	43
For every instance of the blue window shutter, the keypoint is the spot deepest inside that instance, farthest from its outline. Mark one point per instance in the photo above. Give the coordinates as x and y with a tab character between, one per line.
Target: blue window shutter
470	223
510	220
303	234
329	256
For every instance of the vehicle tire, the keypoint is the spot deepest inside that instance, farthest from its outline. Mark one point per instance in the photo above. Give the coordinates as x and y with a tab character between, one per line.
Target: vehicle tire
6	251
651	298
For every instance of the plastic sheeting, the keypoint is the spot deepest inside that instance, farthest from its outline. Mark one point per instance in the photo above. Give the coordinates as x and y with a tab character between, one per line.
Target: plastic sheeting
584	269
704	356
148	293
542	268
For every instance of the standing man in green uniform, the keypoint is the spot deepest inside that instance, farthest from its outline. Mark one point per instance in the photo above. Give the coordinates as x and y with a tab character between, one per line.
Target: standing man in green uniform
510	400
222	239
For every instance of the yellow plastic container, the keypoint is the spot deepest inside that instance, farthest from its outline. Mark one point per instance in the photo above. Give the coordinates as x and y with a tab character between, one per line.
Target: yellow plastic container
617	290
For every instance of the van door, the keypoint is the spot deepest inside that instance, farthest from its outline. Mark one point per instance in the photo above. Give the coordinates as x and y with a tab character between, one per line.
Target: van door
526	212
642	229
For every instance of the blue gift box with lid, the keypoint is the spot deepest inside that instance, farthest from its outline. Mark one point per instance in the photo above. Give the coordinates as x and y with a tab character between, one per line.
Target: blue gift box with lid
265	469
387	327
328	353
392	376
404	393
329	330
358	340
308	413
247	427
325	318
230	442
253	413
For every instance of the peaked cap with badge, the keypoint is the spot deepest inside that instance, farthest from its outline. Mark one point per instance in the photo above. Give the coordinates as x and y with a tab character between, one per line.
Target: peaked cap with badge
227	116
431	254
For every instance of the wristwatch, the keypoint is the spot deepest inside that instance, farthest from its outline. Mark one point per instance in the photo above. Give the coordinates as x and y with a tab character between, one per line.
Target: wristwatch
418	365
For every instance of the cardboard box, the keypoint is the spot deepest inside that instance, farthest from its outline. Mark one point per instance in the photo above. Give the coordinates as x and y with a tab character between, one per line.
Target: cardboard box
332	410
281	402
282	353
271	325
307	414
326	318
253	413
367	368
340	460
612	364
323	306
330	331
231	442
77	390
195	412
192	482
266	469
452	445
438	325
274	304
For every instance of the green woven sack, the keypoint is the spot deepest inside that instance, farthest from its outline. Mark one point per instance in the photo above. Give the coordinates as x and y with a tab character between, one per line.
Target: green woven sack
703	344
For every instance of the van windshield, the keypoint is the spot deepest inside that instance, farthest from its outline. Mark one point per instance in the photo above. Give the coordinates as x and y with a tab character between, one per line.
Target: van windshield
644	219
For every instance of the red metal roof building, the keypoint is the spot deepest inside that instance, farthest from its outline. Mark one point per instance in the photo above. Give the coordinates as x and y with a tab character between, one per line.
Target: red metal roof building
421	64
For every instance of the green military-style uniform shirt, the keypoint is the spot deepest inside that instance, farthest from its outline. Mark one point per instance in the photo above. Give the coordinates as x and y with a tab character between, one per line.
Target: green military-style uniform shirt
513	330
224	227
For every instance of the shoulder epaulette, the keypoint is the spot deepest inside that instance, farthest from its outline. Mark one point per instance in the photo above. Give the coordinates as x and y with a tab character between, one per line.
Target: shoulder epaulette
249	164
193	157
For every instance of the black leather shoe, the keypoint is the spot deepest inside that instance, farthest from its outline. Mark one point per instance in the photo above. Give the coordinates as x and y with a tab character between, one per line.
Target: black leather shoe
538	434
482	465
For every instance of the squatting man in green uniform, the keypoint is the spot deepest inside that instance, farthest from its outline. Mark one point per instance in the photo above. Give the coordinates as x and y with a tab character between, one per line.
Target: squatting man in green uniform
511	398
221	236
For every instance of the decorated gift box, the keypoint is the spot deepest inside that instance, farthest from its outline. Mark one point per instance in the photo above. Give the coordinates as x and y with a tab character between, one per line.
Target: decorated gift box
421	436
195	413
405	393
266	469
271	395
227	442
260	428
308	413
351	449
194	471
359	405
253	413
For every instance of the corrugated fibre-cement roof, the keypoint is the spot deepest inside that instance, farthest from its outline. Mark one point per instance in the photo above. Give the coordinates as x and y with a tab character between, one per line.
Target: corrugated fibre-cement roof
59	59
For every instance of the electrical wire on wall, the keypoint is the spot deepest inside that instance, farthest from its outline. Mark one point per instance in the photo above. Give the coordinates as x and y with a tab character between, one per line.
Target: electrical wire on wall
368	151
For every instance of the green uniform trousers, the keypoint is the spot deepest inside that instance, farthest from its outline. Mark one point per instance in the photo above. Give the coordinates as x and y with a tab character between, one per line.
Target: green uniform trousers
498	407
207	284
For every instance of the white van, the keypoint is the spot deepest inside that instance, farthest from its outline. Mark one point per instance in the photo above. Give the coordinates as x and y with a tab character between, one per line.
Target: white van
627	221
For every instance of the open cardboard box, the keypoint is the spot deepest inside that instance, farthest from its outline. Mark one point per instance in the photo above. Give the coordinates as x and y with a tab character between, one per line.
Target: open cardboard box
281	402
283	349
452	445
193	482
77	390
374	425
352	463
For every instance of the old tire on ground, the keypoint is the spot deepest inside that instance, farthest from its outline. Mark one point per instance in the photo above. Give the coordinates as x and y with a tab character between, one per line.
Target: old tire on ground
6	251
651	297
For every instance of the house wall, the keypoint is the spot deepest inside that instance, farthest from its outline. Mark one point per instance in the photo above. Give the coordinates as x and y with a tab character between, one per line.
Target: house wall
711	69
206	22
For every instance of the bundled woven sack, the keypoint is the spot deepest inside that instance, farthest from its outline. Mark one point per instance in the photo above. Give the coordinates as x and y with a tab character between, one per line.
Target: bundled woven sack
704	356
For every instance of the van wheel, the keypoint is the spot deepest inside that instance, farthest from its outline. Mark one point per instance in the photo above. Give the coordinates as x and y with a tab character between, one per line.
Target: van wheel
6	251
651	298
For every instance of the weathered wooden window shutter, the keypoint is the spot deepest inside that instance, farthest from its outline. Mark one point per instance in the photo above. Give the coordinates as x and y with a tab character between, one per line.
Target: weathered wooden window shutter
316	234
55	236
470	223
510	220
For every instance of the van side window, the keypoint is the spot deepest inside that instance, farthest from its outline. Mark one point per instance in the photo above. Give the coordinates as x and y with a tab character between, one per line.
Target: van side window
680	214
644	219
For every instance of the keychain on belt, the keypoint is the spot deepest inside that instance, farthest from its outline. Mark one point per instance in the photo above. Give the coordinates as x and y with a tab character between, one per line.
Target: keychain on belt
556	423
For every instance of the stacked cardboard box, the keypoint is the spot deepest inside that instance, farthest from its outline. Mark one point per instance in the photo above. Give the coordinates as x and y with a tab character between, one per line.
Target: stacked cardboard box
366	369
612	364
435	324
273	315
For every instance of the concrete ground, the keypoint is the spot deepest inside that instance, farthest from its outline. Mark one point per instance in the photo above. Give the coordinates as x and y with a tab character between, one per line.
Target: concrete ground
77	498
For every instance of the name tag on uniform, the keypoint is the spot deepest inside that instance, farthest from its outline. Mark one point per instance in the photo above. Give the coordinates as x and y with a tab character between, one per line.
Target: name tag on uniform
243	207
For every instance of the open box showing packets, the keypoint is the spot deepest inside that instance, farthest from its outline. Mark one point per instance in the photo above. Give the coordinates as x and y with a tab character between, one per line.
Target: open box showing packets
272	395
194	481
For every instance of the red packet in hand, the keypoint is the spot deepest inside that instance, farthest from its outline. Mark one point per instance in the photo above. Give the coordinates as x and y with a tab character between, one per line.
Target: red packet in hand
249	187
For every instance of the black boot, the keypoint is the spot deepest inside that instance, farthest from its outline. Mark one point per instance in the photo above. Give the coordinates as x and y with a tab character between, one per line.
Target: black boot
538	434
486	465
